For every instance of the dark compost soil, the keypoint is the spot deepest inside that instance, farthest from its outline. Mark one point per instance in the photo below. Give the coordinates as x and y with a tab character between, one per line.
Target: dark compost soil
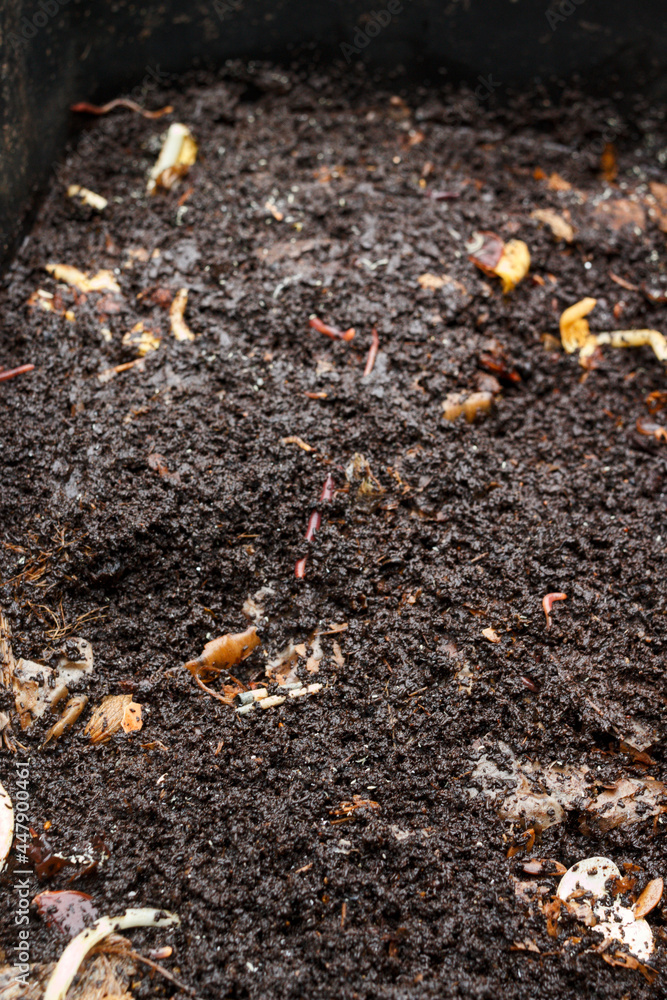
232	822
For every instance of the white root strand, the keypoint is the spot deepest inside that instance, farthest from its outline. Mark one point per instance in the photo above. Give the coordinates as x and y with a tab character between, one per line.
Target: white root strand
69	962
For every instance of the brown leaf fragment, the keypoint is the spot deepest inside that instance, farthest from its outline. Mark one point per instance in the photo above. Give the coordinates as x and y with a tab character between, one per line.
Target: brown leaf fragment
621	212
113	713
71	713
561	229
625	961
552	913
652	429
69	911
525	945
224	652
347	808
491	635
648	898
337	654
656	401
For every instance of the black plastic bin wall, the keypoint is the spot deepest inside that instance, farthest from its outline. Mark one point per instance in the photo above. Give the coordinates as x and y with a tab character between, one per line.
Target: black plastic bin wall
55	52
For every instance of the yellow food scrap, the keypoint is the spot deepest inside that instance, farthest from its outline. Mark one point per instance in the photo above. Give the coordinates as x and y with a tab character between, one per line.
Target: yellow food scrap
179	327
513	265
457	403
575	334
574	329
143	340
87	196
636	338
103	281
178	153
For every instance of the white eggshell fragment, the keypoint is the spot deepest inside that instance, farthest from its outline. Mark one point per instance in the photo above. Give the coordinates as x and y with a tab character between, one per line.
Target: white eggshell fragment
6	825
590	875
618	923
615	922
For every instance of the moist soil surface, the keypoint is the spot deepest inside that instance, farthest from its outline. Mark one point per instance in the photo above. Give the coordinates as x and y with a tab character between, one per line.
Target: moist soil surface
141	510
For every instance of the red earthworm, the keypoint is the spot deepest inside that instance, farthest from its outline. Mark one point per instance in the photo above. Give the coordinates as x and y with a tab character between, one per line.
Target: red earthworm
547	602
331	331
11	372
119	102
372	353
327	489
300	568
314	522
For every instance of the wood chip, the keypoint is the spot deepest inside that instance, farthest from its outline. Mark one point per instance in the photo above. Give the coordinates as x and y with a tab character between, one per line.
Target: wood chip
621	212
293	439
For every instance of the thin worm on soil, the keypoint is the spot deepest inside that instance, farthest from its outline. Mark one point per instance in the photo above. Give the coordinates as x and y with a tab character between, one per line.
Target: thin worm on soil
120	102
11	372
372	353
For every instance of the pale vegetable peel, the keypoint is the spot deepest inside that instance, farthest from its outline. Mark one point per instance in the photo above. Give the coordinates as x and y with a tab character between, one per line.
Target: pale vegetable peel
69	962
6	825
513	265
178	153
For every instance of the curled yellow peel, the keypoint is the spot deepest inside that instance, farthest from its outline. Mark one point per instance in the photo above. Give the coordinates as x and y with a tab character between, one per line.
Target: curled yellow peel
513	265
574	329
